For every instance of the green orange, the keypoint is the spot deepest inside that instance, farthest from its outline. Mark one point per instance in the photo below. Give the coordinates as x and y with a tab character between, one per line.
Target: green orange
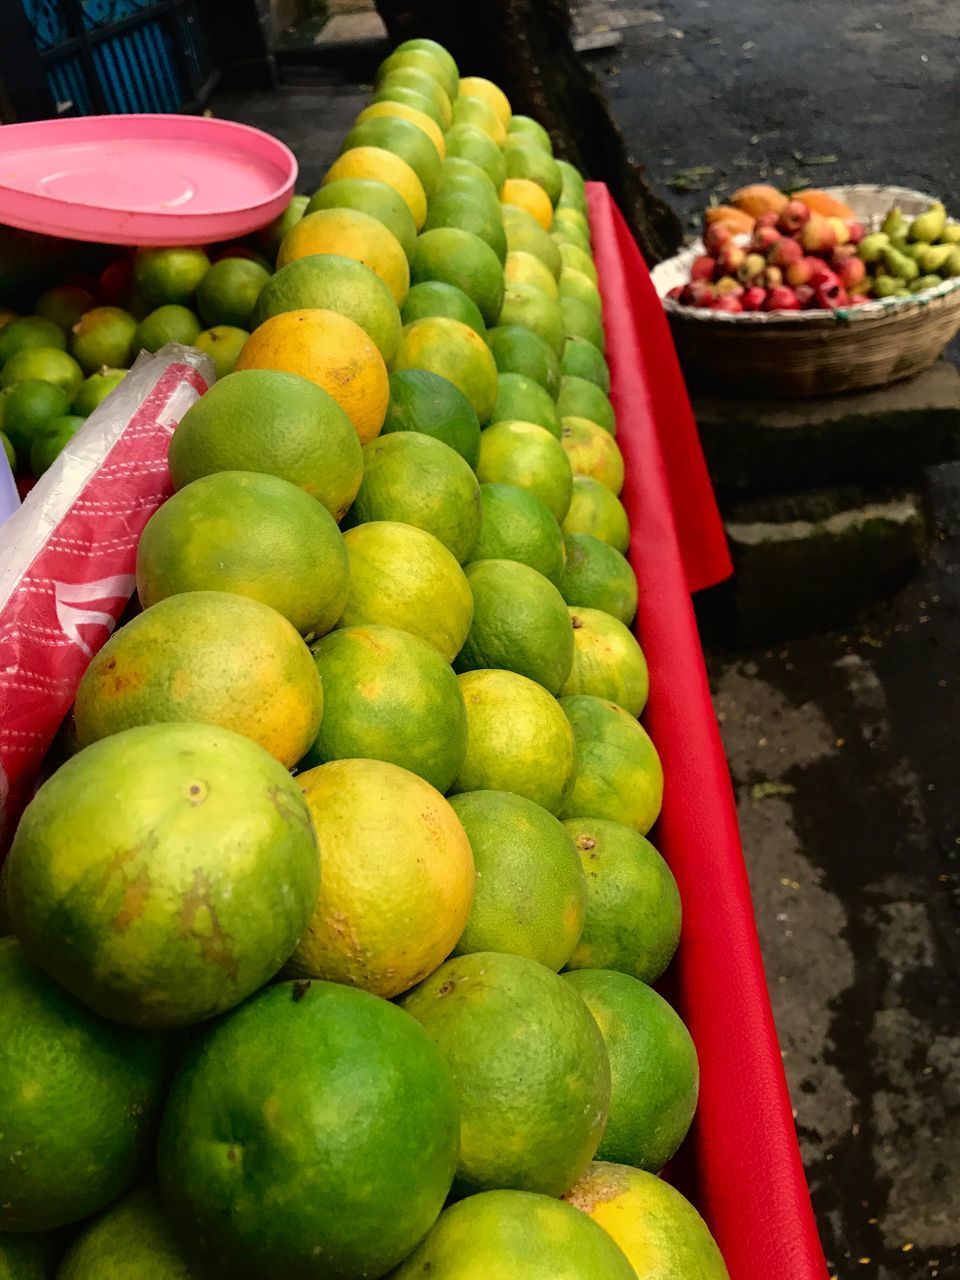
437	298
653	1067
619	775
530	1065
276	422
466	142
104	336
582	398
526	159
528	456
530	898
460	203
455	352
398	877
659	1231
50	442
164	874
378	199
133	1240
252	535
169	275
312	1132
607	661
575	284
64	304
520	623
205	656
43	364
518	526
223	344
404	577
523	399
425	402
580	320
526	305
335	283
451	75
349	233
95	389
228	292
581	359
462	259
80	1100
527	127
594	509
170	323
592	452
633	904
571	255
388	695
596	576
518	739
425	55
517	349
27	409
29	331
522	267
415	479
520	1235
401	138
524	234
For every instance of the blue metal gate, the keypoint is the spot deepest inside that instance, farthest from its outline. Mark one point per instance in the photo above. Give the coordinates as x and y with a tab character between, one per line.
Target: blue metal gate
120	55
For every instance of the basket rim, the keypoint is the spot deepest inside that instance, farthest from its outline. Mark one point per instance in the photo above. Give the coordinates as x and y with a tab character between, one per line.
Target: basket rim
826	317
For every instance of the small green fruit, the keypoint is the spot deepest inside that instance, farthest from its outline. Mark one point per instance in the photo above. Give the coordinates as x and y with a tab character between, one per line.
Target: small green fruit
929	225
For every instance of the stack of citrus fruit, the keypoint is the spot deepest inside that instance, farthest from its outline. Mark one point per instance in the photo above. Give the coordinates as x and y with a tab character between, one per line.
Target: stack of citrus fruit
393	565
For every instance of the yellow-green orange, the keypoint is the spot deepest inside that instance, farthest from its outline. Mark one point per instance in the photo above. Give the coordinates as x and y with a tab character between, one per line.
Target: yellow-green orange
467	142
95	390
518	526
404	577
581	397
391	91
520	398
386	110
402	138
476	112
520	623
397	879
525	159
205	656
522	267
379	165
528	456
349	234
634	913
530	1065
223	344
425	402
436	298
344	1126
619	775
516	349
592	452
228	292
525	235
594	509
169	323
455	352
527	127
164	874
581	321
169	275
526	305
252	535
80	1100
659	1231
516	1234
488	92
451	75
334	352
573	256
415	479
530	197
518	739
575	284
335	283
573	216
607	661
275	422
581	359
376	199
462	259
272	235
597	577
388	695
464	176
422	83
653	1067
44	364
133	1240
530	898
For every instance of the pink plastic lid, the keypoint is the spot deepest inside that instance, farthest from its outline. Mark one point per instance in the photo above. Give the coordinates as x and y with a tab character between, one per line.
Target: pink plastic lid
142	179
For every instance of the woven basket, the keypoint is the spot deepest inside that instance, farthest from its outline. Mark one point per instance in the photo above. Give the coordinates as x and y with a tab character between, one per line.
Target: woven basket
794	354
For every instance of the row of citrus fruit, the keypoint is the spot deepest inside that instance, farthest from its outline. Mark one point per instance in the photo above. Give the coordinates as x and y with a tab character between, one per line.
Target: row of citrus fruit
172	867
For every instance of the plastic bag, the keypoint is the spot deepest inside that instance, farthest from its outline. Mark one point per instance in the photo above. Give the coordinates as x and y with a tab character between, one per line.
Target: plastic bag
68	556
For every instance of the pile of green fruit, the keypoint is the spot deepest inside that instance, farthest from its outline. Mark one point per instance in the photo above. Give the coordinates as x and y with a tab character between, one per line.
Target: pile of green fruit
58	363
334	938
907	255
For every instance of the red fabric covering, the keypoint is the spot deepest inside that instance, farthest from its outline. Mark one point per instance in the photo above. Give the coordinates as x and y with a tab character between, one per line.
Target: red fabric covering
743	1166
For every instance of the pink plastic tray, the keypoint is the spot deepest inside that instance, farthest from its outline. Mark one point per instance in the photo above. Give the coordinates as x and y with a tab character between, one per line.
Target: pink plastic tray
142	179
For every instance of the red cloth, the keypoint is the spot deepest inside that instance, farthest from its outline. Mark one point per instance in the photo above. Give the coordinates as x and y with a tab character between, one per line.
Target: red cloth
743	1165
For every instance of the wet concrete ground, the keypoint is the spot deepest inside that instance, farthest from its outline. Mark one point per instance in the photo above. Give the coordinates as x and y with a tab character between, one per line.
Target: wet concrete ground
844	747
